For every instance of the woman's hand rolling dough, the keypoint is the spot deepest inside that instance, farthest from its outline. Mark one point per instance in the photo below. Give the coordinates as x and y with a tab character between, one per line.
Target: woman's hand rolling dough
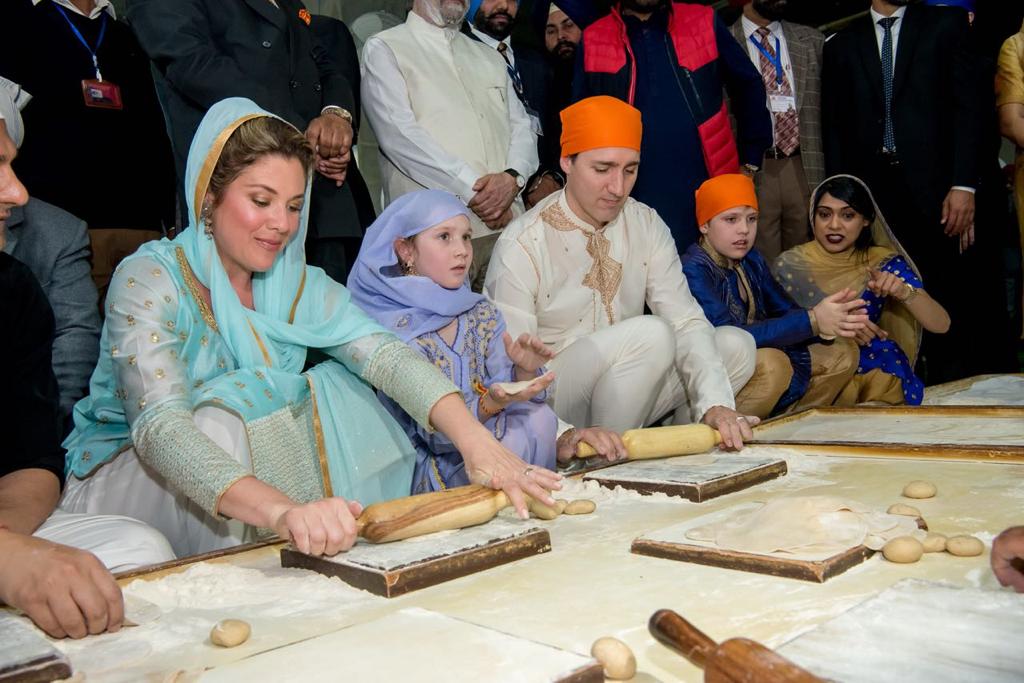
733	427
607	443
1008	558
323	527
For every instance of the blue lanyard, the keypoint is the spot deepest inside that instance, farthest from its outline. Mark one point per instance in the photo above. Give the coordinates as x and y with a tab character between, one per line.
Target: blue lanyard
776	60
81	38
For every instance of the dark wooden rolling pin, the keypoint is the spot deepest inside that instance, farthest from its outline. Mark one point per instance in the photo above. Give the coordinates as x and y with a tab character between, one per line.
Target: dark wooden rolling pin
662	442
737	660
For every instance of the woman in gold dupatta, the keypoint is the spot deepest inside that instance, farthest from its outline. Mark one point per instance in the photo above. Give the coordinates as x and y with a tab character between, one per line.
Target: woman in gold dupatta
853	248
1010	100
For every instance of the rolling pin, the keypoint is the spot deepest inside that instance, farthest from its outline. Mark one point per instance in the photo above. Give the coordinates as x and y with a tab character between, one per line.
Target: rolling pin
662	442
457	508
737	660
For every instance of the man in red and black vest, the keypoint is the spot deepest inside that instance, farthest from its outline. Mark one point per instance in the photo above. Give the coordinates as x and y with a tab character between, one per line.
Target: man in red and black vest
671	60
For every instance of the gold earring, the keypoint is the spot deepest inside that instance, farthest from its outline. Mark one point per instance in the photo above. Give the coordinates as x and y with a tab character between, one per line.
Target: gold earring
408	268
206	220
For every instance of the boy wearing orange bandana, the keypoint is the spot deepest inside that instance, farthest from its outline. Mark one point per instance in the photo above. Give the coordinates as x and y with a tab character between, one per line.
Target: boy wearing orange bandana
578	269
796	367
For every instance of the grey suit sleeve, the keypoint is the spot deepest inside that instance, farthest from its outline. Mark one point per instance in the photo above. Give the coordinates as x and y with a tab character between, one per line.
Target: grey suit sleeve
72	294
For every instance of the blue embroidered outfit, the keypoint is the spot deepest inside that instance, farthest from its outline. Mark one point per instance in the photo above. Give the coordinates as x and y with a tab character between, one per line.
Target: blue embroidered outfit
415	308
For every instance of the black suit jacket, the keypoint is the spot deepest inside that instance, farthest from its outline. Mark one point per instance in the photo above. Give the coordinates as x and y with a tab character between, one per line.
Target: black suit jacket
935	113
206	50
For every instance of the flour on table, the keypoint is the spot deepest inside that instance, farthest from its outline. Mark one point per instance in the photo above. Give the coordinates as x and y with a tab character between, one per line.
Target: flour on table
994	391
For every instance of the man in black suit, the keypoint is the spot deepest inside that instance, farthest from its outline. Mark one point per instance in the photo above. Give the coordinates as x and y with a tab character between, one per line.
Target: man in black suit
490	22
899	111
266	50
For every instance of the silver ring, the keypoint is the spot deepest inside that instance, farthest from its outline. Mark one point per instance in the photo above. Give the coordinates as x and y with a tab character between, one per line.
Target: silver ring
741	417
527	471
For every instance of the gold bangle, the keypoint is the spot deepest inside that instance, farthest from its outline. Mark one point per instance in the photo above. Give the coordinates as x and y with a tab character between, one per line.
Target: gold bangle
911	293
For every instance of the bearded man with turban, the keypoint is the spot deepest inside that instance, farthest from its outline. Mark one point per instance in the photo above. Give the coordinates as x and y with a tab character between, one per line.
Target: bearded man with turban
579	268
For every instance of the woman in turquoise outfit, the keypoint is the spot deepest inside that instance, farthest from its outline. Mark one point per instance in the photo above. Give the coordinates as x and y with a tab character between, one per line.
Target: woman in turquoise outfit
200	419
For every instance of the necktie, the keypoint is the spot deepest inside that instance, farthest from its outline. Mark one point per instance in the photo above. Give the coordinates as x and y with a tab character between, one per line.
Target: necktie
787	123
513	73
888	137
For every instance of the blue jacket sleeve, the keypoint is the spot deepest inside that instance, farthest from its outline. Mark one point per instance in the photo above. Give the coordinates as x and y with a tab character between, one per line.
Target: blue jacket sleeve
747	96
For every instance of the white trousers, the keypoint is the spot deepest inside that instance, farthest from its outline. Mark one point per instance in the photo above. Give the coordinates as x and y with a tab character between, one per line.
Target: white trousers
120	543
625	376
127	486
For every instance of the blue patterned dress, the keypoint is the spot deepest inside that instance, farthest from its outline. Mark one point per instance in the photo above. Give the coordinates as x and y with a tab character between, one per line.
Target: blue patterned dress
475	360
885	354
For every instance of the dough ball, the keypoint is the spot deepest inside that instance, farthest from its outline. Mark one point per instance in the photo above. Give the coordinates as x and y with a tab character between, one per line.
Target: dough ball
542	511
903	549
615	657
561	504
964	546
934	543
580	507
903	509
920	489
230	632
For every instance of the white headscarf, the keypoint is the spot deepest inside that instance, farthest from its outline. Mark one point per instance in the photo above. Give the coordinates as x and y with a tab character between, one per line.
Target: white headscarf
12	100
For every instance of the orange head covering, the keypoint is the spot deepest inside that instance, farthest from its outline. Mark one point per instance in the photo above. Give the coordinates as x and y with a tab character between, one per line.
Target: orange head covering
722	193
597	122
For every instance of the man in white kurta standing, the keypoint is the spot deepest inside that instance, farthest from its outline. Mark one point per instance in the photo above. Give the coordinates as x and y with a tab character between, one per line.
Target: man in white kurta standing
577	271
447	117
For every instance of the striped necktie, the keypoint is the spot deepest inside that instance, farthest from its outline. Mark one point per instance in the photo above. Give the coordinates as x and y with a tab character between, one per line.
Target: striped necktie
888	136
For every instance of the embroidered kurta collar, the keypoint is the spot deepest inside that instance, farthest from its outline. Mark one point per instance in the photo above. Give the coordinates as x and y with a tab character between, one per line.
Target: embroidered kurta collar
605	275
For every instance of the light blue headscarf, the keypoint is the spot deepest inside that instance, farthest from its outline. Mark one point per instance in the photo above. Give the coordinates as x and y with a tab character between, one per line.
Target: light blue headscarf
474	6
408	305
297	307
288	298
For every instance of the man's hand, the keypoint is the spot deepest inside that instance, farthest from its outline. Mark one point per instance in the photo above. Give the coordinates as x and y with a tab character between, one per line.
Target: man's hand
65	591
330	135
1008	558
495	193
335	168
958	212
733	426
607	443
502	221
541	188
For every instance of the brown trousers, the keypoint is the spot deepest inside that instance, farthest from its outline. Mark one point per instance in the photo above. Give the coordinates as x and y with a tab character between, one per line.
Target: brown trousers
782	197
873	386
832	367
109	247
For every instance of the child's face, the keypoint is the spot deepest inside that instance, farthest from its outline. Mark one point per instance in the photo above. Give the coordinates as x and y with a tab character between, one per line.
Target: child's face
443	252
837	225
732	232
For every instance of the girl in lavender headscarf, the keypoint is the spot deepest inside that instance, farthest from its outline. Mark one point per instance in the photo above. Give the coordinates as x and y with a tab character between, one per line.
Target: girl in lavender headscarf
411	276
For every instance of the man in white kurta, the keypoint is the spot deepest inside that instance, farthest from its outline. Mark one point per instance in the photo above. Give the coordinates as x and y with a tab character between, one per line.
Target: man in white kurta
577	271
447	117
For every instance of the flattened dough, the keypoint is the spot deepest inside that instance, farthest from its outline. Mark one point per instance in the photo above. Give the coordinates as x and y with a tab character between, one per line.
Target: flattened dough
512	388
806	524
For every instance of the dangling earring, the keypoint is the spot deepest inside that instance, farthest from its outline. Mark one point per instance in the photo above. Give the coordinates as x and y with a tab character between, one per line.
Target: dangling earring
207	220
408	268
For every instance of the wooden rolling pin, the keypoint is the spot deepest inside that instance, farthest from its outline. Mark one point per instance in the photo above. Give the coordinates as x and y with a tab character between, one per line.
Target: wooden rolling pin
456	508
737	660
662	442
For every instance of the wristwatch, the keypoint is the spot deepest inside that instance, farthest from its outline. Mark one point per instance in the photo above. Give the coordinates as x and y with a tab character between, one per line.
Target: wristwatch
337	111
520	180
911	293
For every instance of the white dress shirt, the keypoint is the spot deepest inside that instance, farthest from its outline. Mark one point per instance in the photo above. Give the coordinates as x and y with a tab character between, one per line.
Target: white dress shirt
98	9
492	43
775	27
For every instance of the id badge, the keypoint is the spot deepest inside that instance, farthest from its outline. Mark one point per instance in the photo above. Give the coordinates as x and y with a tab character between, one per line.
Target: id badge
101	94
781	103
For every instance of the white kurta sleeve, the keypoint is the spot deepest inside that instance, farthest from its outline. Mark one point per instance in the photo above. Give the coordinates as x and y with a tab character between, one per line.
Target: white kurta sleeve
522	148
400	136
512	284
697	359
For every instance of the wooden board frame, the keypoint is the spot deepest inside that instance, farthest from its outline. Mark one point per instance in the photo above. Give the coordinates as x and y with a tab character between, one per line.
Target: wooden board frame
42	670
698	492
971	452
413	577
804	570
